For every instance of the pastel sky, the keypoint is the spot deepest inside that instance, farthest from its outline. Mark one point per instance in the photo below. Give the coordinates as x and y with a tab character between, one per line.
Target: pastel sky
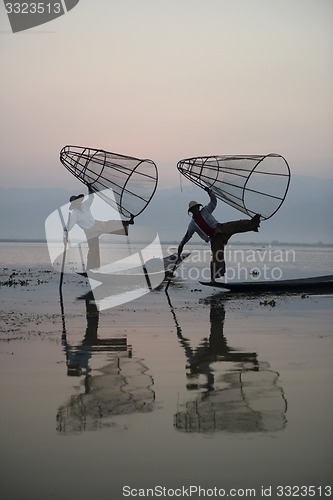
168	79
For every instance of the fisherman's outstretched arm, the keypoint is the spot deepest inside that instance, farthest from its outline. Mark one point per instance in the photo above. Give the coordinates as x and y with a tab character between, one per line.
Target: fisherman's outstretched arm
185	239
213	200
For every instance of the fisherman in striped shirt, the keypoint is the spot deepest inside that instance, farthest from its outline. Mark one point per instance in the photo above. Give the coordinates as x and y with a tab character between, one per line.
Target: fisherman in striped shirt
217	234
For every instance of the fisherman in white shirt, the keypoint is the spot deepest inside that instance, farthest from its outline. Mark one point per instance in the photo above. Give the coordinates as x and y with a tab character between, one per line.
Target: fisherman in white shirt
217	234
82	216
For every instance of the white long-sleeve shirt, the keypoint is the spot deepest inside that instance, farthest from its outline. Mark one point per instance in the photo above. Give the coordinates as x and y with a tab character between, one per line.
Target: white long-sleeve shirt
206	213
83	216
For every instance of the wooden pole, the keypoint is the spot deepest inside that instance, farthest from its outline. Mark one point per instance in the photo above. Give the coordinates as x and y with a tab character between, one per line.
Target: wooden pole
65	249
171	274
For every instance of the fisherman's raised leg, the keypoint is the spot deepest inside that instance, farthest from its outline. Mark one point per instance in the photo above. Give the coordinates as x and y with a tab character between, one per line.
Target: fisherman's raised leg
239	226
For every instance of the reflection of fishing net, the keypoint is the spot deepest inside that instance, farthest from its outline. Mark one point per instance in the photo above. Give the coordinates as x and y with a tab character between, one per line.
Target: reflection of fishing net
132	180
252	402
254	184
123	388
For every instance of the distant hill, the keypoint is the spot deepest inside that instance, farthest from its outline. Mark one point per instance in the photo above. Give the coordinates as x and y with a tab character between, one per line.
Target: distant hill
305	217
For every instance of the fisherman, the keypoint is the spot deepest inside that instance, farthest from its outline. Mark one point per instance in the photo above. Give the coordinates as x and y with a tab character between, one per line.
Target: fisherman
82	216
218	234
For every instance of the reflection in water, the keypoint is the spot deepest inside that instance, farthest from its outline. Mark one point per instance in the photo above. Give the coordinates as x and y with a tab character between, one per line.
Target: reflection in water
238	393
122	387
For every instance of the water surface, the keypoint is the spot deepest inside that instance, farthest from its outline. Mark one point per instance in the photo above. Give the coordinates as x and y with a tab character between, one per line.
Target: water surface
191	389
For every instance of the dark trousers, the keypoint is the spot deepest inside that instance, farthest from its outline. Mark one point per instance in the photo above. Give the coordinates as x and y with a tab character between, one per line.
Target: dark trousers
221	237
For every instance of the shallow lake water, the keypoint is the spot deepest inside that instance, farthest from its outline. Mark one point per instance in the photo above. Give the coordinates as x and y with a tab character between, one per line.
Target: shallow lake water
186	391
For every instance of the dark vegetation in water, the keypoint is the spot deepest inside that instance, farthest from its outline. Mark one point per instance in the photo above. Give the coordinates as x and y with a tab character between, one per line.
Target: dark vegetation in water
271	303
16	278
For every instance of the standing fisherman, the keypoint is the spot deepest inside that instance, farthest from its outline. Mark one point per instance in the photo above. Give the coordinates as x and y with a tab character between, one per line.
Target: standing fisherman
82	216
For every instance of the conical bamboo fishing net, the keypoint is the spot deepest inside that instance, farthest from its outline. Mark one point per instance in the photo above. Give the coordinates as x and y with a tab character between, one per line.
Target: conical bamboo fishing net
132	180
253	184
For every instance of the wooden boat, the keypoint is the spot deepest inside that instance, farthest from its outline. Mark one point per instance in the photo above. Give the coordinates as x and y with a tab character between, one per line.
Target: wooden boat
317	284
152	272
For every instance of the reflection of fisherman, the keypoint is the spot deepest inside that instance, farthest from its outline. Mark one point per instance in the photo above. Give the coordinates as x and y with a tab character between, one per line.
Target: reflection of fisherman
213	349
82	216
210	230
121	387
240	395
78	357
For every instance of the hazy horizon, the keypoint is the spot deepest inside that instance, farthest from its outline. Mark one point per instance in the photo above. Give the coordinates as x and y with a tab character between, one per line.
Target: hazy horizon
304	217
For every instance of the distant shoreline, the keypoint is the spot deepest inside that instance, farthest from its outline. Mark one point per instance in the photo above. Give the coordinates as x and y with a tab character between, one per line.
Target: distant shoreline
274	243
